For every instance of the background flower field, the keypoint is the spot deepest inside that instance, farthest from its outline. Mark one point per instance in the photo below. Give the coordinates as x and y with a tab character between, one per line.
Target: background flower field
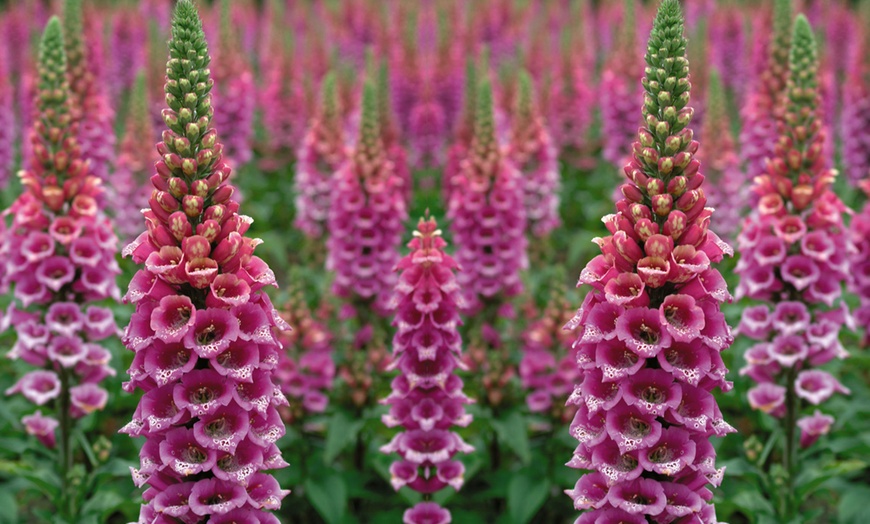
295	85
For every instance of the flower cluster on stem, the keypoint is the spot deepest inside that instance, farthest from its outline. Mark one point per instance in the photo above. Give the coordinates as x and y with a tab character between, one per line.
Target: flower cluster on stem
794	260
427	400
366	216
650	329
204	330
58	253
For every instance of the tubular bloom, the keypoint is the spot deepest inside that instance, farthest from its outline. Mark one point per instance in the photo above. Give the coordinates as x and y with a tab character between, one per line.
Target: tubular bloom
860	264
548	369
427	398
651	329
204	330
763	106
488	216
531	150
793	258
366	216
59	255
321	154
726	192
134	163
90	107
306	371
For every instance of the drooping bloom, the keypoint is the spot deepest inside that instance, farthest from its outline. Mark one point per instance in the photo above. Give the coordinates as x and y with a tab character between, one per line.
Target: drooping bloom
58	254
321	154
427	401
794	255
488	215
532	151
860	264
204	331
651	330
548	368
306	369
763	108
234	92
725	191
90	106
366	216
134	167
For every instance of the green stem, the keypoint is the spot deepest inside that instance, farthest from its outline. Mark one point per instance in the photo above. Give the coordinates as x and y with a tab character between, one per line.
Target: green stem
789	458
66	459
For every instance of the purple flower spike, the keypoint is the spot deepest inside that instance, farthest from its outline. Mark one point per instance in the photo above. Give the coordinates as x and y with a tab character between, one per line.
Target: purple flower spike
203	332
427	399
795	253
649	334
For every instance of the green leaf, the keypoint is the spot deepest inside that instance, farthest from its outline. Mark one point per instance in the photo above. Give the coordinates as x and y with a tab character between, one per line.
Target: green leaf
342	431
512	431
9	515
328	495
103	503
753	503
853	507
811	478
526	494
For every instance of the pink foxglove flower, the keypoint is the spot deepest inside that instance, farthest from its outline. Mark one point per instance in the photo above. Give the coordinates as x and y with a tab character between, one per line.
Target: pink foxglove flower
59	256
91	110
366	216
488	215
855	119
427	401
204	330
762	107
794	259
306	370
860	264
651	330
321	154
532	151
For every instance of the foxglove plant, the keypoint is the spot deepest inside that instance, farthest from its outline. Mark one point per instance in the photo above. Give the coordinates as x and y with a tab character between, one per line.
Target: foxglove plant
855	119
726	191
130	180
366	217
460	147
59	256
488	216
91	111
728	43
321	154
794	260
651	329
532	151
427	400
763	106
203	331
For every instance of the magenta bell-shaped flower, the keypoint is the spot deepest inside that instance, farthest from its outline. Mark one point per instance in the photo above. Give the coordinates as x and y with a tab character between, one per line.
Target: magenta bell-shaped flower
427	399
